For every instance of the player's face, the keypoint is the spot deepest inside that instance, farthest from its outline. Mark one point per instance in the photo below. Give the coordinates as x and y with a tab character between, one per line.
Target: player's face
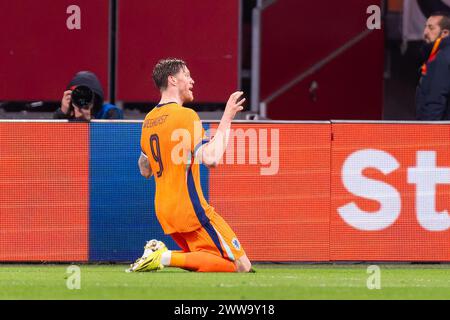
432	29
185	85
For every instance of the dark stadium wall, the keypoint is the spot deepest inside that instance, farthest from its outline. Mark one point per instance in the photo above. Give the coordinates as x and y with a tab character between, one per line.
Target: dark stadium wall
428	7
349	87
204	33
39	55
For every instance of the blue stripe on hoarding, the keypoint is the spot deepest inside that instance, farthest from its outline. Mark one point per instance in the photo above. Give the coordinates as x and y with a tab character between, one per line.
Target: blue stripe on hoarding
122	213
121	202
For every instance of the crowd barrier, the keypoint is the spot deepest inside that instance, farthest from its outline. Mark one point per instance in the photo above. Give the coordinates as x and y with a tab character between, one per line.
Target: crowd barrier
311	191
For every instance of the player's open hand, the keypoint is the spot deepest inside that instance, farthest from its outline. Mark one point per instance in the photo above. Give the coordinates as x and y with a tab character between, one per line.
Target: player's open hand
65	102
234	105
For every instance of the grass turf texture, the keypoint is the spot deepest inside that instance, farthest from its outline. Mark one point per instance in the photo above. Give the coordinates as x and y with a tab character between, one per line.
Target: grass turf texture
293	282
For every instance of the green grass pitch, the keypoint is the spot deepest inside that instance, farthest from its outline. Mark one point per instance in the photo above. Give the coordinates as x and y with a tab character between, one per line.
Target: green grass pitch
270	282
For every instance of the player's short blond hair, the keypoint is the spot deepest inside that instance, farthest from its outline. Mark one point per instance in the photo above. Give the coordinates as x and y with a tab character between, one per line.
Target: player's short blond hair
165	68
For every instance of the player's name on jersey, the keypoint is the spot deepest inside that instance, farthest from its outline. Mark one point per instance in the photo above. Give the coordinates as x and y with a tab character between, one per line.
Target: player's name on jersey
155	122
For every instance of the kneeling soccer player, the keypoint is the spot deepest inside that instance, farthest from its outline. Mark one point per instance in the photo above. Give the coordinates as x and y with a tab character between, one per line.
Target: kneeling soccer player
173	145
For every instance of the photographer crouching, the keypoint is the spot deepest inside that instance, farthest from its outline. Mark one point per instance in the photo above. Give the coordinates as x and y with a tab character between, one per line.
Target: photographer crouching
83	100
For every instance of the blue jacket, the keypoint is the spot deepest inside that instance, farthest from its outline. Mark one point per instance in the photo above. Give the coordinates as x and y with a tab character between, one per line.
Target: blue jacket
109	111
433	91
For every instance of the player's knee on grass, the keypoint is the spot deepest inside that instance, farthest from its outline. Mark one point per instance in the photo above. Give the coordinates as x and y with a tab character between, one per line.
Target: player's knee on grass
243	264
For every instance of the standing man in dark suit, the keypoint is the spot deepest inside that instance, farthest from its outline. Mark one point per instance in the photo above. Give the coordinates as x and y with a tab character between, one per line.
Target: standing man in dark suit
433	91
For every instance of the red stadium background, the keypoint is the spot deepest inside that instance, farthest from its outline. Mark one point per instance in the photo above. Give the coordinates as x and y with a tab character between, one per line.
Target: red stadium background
39	55
203	33
298	37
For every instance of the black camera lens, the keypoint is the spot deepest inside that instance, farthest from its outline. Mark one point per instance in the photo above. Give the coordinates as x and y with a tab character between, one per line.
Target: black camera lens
82	97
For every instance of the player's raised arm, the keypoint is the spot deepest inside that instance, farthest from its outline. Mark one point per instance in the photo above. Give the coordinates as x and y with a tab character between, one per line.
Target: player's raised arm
144	166
211	153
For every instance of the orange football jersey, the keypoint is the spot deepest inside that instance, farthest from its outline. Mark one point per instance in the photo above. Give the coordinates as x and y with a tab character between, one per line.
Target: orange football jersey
170	135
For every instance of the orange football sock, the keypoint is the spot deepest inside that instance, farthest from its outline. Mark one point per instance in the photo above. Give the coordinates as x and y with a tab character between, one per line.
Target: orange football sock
201	262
